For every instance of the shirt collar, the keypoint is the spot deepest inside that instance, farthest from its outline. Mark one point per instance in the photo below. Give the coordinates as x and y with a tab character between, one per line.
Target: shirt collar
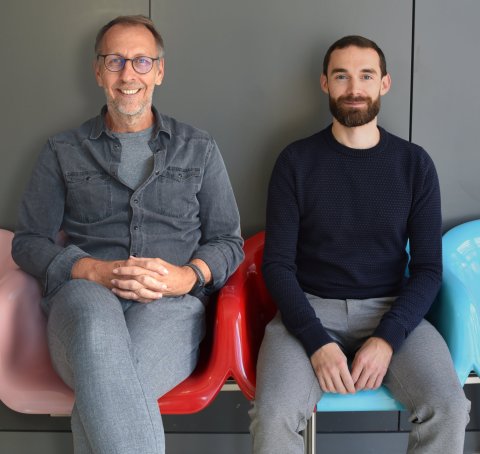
100	127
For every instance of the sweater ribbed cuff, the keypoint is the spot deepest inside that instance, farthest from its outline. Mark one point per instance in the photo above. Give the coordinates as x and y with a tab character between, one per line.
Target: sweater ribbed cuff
313	338
392	332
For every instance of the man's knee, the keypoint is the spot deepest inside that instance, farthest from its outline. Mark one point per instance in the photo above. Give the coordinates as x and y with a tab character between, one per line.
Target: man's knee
448	410
84	311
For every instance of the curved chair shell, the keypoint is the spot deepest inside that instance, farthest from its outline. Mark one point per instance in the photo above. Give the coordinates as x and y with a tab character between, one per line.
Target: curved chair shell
246	290
28	382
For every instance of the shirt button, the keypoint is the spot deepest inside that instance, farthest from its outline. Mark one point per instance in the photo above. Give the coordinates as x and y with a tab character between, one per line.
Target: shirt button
134	254
135	227
135	200
157	172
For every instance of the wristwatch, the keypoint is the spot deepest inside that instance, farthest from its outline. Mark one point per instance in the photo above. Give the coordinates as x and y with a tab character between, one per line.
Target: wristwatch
200	277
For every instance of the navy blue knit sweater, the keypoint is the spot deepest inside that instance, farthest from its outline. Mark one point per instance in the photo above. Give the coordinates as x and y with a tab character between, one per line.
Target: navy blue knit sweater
338	221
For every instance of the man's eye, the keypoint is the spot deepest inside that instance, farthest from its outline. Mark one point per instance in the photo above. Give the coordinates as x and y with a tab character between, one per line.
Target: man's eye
367	77
143	60
341	77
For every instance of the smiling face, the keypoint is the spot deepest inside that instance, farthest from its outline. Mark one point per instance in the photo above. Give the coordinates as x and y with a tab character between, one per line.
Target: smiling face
128	93
354	84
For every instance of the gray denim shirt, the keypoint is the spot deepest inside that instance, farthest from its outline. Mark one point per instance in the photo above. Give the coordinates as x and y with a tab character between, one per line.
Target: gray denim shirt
184	210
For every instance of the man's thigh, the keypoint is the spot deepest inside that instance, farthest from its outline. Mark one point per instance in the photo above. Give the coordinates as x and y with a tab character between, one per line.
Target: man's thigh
165	336
82	314
422	370
285	377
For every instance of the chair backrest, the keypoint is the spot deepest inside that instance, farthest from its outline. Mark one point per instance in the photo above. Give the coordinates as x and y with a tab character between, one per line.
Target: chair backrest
461	255
460	294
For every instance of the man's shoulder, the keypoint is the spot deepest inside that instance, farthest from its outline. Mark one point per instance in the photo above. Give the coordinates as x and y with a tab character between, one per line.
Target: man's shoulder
75	136
182	131
409	154
406	146
305	145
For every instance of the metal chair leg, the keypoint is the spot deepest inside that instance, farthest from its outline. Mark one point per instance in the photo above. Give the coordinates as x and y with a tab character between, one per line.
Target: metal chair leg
310	433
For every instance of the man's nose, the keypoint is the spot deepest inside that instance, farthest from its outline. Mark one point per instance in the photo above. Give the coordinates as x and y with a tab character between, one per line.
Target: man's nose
354	85
128	72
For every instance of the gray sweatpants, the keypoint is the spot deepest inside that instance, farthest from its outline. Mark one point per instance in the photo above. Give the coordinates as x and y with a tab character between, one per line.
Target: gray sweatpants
119	357
421	376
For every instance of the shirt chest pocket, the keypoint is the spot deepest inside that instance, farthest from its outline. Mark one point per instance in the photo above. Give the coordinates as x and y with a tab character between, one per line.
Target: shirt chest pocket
89	196
176	190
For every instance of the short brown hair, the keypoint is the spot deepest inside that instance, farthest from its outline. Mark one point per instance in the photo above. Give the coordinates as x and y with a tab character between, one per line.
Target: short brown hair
131	20
357	41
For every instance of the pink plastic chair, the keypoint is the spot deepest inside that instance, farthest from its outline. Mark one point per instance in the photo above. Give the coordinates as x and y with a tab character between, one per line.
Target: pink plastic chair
28	383
27	380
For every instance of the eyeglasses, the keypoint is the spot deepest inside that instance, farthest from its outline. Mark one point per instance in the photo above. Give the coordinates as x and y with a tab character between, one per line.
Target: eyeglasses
115	63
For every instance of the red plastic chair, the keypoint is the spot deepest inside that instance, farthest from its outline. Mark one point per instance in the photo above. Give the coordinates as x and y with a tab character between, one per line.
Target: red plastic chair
28	383
246	294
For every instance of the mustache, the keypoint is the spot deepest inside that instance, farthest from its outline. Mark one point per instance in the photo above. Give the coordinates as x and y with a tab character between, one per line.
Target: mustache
351	98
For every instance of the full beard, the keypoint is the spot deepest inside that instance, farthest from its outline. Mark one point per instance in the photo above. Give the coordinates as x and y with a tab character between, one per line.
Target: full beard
352	117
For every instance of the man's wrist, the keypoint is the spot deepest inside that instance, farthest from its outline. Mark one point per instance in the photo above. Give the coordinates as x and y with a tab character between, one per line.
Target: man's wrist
200	278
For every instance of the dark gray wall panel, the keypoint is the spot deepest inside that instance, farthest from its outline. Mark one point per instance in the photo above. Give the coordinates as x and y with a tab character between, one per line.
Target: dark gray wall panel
446	100
248	72
47	79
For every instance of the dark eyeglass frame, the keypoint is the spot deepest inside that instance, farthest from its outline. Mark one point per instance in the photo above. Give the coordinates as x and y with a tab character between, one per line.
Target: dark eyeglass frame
124	62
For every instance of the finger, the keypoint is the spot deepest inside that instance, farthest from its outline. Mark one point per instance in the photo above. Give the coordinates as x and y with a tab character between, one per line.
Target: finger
347	381
338	384
125	294
322	384
156	265
362	380
370	384
378	381
135	271
126	284
329	386
139	283
357	369
149	294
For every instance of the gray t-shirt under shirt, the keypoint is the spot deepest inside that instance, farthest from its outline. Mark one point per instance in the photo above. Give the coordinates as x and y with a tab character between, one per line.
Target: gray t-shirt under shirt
136	162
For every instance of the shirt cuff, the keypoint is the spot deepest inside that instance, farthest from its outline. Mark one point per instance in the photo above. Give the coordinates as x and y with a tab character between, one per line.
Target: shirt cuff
60	268
216	262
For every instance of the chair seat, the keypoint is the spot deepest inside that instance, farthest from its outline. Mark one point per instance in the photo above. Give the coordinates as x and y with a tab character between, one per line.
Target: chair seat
28	382
378	400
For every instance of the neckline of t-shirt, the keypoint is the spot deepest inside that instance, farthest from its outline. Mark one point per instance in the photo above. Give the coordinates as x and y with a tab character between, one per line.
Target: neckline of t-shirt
143	134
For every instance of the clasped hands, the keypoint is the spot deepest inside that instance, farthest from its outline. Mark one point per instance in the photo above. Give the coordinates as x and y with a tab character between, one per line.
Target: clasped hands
369	366
139	279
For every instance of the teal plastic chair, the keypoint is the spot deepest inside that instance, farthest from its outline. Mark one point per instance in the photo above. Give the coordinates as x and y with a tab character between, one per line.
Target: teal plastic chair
458	308
455	317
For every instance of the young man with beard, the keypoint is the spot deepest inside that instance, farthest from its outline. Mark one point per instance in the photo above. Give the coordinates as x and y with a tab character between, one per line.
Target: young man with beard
342	205
152	229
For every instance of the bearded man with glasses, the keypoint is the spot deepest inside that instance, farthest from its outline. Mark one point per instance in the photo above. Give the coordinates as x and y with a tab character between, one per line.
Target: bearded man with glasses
152	230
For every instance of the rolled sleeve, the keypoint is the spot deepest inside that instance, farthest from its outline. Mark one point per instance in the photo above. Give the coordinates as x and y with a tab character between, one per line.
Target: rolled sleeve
60	269
221	242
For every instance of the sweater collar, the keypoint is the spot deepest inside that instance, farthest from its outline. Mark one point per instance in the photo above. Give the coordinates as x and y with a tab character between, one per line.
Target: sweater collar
357	152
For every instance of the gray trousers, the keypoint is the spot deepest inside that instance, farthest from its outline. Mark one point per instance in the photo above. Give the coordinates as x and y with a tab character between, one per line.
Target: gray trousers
119	357
421	376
